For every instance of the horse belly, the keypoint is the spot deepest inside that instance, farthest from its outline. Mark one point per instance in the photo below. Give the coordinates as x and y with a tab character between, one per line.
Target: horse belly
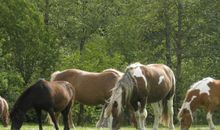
92	95
155	97
61	100
61	105
90	100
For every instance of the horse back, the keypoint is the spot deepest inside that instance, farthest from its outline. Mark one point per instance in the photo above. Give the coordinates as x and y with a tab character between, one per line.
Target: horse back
160	82
214	92
62	93
94	89
44	94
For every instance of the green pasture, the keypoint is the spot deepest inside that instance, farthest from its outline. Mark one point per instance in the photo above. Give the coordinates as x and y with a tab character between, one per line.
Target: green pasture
46	127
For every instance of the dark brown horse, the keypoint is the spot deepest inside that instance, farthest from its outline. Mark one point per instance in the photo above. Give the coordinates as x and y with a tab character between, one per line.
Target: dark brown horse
43	95
206	93
4	111
140	85
91	88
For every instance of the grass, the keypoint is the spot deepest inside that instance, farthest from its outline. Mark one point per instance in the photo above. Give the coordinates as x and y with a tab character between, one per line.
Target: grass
46	127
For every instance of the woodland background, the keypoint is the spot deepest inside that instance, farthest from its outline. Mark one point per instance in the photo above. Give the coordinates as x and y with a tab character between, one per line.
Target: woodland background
38	37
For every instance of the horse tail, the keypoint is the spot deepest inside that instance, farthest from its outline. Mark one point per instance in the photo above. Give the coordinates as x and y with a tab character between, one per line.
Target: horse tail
5	113
165	117
167	103
53	75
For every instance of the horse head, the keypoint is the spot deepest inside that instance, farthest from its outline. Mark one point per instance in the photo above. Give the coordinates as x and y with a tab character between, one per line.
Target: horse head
114	109
185	114
185	119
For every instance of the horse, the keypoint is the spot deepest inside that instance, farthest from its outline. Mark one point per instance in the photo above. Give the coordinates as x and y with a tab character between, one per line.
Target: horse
57	96
4	111
140	85
202	93
92	88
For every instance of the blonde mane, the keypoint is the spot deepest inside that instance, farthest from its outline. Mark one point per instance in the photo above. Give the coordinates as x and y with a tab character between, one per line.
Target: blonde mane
53	75
124	83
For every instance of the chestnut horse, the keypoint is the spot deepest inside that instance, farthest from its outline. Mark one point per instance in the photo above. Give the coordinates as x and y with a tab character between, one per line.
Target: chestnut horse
206	93
4	111
43	95
91	88
140	85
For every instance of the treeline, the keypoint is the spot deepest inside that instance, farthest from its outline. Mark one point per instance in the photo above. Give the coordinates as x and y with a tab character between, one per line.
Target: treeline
38	37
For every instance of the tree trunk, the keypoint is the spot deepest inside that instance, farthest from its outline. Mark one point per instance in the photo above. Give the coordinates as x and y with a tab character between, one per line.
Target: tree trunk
179	41
81	106
80	115
179	57
167	33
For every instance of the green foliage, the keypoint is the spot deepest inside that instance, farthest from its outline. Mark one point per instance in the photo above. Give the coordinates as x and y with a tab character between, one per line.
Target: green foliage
11	85
25	42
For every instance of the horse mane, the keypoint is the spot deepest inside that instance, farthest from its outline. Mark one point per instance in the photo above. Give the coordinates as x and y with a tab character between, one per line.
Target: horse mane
134	65
124	84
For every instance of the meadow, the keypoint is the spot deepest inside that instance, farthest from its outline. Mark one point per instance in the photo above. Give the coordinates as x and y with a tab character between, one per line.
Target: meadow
46	127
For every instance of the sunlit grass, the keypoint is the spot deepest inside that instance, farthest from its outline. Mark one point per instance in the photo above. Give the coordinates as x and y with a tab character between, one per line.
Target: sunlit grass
47	127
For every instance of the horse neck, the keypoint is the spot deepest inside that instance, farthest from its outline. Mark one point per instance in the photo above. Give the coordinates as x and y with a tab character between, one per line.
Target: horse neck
23	105
194	104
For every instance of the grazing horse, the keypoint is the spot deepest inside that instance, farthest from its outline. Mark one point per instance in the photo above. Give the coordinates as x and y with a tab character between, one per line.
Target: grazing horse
4	111
43	95
140	85
91	88
206	93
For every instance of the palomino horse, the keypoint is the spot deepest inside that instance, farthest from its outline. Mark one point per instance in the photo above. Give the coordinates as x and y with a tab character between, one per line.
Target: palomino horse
91	88
4	111
142	84
206	93
43	95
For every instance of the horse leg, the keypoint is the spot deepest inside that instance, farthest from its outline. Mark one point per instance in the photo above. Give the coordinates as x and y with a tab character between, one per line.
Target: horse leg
51	112
102	122
170	112
65	120
141	115
65	114
48	120
38	111
210	122
157	108
132	115
70	120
